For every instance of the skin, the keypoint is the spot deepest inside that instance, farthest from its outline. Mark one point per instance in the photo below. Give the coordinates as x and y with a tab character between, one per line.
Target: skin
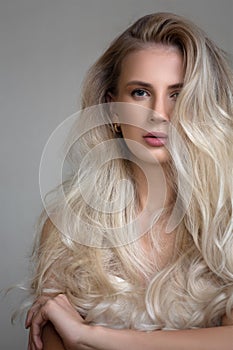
150	80
159	71
74	334
149	84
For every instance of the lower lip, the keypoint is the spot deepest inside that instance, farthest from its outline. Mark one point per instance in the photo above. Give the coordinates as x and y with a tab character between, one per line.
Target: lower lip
156	141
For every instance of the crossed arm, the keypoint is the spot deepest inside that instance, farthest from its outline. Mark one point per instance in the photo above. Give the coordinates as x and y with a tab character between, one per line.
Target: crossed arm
65	329
55	324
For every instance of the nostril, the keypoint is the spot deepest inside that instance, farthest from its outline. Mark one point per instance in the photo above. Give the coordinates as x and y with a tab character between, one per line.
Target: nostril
157	118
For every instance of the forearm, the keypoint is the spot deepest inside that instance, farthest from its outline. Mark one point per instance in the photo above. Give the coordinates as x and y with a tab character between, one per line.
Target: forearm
51	339
195	339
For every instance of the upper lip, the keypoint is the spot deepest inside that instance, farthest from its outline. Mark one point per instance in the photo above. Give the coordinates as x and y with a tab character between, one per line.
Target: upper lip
156	134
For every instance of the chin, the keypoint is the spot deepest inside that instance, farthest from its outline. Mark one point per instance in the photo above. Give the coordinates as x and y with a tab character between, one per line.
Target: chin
152	160
161	156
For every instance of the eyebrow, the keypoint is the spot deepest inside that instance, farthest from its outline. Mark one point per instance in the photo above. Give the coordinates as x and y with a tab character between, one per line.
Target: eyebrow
144	84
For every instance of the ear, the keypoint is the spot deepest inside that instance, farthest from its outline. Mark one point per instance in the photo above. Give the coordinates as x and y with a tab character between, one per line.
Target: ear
114	116
110	97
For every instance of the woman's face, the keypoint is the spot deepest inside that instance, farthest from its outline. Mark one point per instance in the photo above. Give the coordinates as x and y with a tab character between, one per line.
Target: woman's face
151	80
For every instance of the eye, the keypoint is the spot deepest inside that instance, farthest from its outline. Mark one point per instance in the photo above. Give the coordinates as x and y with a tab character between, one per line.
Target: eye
175	95
140	93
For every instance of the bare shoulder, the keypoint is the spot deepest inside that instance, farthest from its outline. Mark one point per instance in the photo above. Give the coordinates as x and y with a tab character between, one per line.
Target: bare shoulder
46	229
51	339
227	321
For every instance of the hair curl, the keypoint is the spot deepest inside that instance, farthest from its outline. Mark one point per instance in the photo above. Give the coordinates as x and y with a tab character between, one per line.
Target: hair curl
118	286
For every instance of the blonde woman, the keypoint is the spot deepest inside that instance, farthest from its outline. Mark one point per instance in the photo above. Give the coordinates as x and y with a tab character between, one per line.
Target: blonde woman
165	280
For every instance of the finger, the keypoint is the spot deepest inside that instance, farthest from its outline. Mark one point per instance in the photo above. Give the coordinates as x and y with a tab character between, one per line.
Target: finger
30	345
35	306
38	322
29	317
62	296
30	313
36	337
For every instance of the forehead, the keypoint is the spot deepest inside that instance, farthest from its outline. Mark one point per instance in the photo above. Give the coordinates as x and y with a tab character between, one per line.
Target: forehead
152	61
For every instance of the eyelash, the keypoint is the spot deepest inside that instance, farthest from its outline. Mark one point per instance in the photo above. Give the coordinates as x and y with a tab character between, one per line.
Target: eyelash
133	93
174	95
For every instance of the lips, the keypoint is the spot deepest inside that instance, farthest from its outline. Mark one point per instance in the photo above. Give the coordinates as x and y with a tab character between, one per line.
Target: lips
156	139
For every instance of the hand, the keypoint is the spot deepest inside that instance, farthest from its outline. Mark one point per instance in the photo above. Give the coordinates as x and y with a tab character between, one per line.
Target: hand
66	320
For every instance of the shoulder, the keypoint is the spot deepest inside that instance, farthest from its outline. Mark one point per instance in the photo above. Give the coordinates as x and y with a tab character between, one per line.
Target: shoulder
227	321
47	227
48	236
51	339
47	232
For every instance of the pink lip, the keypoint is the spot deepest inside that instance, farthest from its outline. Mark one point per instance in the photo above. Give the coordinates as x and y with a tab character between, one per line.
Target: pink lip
155	139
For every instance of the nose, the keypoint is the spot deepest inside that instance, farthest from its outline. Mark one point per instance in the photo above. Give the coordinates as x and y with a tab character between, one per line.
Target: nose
160	110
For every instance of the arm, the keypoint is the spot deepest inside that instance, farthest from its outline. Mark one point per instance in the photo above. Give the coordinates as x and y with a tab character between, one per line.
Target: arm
51	339
80	336
74	332
196	339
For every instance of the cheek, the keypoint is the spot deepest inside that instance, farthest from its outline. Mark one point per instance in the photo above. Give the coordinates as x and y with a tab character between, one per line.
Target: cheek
131	132
132	114
135	147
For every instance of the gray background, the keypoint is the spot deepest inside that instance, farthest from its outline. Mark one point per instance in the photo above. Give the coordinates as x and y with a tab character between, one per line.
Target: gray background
45	48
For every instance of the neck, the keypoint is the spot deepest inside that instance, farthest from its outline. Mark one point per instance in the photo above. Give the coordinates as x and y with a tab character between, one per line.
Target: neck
152	187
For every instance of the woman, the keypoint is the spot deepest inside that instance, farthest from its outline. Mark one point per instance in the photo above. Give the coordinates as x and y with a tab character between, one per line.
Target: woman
168	93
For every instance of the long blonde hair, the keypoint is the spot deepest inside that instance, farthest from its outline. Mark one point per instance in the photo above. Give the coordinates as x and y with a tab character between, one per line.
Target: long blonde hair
117	286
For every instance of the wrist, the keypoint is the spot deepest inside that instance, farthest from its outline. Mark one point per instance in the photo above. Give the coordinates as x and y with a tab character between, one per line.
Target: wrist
91	336
83	334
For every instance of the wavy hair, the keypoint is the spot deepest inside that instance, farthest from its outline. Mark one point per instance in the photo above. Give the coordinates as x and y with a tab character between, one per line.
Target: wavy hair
118	286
